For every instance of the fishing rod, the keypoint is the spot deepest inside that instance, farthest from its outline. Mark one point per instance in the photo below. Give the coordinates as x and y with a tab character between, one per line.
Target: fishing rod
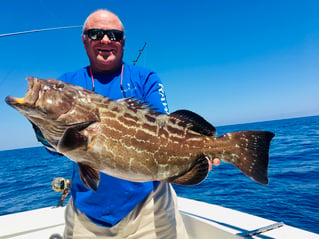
37	30
140	53
59	28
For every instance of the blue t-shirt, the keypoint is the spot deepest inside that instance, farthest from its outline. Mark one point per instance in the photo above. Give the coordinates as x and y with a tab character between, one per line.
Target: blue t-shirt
115	198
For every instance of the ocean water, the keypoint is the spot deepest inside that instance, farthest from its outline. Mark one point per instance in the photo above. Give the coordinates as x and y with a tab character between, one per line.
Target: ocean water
292	195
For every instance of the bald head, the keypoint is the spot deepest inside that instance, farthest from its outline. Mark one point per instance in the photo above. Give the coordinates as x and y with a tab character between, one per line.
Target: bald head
103	19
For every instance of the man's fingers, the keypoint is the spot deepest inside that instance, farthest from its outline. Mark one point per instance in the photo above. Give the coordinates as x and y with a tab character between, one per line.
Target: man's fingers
214	162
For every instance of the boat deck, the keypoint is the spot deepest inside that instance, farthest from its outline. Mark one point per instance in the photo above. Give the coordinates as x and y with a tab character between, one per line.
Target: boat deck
202	220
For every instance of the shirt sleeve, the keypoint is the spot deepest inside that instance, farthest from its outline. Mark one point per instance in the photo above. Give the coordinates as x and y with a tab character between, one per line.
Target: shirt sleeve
154	93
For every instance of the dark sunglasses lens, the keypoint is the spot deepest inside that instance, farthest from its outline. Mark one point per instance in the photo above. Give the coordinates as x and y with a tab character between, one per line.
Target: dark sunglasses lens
95	34
114	35
98	34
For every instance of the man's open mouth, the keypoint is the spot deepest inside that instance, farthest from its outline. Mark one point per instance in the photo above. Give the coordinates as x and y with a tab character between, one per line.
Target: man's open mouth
105	50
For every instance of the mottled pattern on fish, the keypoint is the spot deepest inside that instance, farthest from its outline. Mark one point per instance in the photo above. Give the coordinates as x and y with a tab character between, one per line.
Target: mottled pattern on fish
127	139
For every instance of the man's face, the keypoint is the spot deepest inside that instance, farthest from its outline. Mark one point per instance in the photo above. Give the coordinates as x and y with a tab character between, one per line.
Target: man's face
104	54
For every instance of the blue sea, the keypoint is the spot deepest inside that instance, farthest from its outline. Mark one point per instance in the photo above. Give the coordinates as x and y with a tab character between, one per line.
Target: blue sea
292	195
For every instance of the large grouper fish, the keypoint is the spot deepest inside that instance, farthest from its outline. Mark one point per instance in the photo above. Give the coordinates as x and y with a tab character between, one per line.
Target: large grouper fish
129	140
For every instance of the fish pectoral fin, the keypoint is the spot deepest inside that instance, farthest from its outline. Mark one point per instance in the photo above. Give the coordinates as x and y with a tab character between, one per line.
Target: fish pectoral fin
72	138
195	175
194	122
89	176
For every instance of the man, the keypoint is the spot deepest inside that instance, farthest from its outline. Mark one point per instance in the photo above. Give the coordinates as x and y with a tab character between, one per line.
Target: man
119	208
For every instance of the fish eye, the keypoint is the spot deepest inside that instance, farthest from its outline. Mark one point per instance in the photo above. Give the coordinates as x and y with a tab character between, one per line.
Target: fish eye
59	86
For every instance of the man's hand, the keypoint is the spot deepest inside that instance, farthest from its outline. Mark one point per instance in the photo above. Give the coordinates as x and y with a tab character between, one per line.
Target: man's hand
213	162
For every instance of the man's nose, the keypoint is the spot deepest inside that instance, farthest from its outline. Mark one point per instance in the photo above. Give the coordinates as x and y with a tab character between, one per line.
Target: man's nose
105	38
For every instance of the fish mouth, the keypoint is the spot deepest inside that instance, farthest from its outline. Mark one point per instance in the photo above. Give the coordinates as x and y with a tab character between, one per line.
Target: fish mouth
14	101
30	97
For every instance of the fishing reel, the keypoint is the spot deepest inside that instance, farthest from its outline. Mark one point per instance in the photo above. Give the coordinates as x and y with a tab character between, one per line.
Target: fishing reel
60	184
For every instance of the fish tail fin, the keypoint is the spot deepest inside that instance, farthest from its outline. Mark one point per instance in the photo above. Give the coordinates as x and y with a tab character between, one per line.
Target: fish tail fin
249	151
196	174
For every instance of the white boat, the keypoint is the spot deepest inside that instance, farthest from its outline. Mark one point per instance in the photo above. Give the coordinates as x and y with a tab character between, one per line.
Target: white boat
202	220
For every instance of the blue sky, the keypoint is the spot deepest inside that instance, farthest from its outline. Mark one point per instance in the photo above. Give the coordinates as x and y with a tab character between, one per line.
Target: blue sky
230	61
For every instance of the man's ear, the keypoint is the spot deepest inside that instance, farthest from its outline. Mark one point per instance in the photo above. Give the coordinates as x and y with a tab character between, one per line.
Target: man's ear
84	41
123	42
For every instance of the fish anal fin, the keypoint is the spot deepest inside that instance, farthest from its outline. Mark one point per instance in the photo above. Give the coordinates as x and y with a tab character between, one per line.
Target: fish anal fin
89	176
72	138
195	175
250	153
194	122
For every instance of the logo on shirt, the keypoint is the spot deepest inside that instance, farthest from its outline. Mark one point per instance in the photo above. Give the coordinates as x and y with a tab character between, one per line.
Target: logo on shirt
163	97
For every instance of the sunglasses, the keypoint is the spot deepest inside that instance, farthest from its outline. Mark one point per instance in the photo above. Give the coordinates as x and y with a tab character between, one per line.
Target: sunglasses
98	34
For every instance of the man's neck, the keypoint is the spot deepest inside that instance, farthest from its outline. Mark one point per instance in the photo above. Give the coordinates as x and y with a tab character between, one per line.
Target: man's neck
112	70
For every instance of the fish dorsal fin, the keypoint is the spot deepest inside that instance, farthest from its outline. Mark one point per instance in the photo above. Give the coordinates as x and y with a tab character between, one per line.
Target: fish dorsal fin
136	104
195	175
195	122
133	103
72	138
89	176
